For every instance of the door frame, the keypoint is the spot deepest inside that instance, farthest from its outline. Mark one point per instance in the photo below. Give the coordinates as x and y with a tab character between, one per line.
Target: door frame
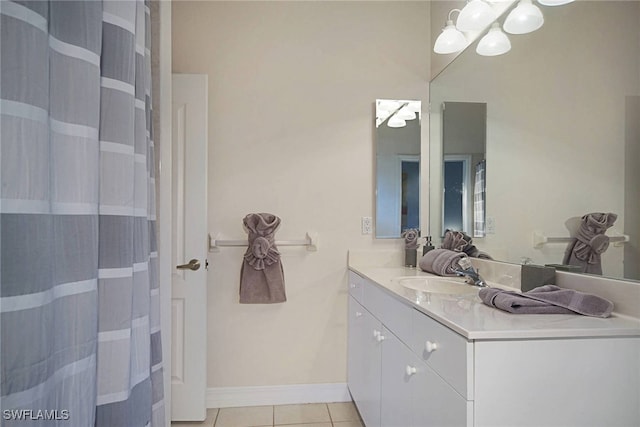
161	46
467	189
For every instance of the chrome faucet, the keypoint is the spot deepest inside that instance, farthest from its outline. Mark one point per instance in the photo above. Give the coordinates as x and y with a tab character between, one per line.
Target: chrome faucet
471	275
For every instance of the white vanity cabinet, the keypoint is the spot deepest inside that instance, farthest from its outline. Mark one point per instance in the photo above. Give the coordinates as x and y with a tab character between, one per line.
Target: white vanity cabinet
391	385
407	369
364	360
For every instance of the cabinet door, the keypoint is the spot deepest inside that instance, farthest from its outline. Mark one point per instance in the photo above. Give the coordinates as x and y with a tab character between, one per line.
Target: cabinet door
364	357
436	403
355	350
397	371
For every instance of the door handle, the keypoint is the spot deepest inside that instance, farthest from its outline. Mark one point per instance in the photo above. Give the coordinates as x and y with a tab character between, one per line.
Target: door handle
193	265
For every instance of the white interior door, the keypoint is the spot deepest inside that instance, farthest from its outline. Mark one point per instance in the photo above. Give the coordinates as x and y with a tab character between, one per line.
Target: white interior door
189	241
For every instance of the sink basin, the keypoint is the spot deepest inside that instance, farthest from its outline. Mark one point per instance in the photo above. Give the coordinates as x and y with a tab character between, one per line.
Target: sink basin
436	285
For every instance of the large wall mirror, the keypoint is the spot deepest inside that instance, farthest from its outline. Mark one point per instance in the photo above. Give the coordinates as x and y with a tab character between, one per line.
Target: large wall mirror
397	138
562	134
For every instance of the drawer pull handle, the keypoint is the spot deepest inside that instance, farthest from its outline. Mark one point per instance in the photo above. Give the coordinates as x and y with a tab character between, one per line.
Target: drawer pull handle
380	338
358	314
410	370
431	346
352	285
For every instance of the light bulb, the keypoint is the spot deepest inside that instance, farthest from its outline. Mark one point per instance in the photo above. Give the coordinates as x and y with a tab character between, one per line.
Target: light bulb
525	18
405	114
396	122
475	16
388	105
450	40
554	2
494	43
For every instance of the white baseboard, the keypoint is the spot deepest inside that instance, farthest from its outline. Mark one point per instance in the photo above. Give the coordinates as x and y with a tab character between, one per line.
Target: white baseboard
230	397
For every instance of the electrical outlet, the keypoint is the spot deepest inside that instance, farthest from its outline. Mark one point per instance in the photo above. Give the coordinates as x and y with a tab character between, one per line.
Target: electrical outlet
367	225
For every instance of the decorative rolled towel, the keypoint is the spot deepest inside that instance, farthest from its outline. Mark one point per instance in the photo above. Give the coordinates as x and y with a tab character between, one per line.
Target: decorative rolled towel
460	241
586	248
547	299
261	277
442	262
410	236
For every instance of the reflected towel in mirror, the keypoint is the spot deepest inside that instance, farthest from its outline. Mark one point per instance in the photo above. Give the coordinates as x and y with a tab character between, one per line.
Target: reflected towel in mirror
442	262
460	241
586	248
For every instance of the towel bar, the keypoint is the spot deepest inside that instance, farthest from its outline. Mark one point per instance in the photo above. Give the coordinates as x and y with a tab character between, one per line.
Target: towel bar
539	239
310	241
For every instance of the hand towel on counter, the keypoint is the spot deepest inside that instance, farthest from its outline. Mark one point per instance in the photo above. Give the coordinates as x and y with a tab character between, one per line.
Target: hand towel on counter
547	299
442	262
586	248
261	277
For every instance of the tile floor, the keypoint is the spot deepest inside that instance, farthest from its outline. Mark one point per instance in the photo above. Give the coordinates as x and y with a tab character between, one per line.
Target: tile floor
342	414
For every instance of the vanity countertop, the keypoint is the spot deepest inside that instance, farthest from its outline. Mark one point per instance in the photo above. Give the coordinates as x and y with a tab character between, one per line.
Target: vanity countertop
467	315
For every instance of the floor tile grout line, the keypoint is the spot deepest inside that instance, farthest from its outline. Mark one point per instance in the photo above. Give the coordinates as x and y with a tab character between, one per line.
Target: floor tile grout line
329	411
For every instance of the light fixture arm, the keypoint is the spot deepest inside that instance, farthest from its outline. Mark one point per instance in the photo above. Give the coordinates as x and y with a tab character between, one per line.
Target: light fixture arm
449	20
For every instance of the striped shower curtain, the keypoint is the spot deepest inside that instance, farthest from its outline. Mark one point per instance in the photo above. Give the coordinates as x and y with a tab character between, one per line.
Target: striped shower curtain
79	297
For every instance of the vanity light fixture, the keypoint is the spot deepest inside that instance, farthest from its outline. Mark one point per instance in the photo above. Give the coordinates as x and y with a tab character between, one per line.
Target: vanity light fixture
451	39
554	2
494	43
475	16
525	18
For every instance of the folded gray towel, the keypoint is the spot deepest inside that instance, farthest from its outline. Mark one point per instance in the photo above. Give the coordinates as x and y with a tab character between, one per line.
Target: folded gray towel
461	242
547	299
261	276
442	262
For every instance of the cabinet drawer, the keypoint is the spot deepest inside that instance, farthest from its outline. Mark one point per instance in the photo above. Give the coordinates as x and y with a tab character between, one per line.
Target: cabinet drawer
395	315
450	355
355	286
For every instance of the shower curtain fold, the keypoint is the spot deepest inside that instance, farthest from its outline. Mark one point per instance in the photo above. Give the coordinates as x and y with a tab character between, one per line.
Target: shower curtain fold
79	296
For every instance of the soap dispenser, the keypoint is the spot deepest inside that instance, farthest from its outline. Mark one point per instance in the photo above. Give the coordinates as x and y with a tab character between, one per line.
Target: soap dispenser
427	246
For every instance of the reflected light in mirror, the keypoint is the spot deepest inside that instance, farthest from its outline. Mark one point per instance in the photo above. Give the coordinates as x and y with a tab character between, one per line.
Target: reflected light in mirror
406	114
525	18
451	40
396	122
494	43
554	2
475	16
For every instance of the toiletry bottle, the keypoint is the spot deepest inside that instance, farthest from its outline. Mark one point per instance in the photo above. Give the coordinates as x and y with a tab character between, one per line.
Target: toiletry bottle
427	246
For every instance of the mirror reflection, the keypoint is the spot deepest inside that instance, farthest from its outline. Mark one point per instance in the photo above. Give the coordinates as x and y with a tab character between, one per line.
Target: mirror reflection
464	167
562	134
397	139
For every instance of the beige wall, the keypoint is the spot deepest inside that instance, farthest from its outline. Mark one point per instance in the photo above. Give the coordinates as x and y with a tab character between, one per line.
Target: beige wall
292	87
